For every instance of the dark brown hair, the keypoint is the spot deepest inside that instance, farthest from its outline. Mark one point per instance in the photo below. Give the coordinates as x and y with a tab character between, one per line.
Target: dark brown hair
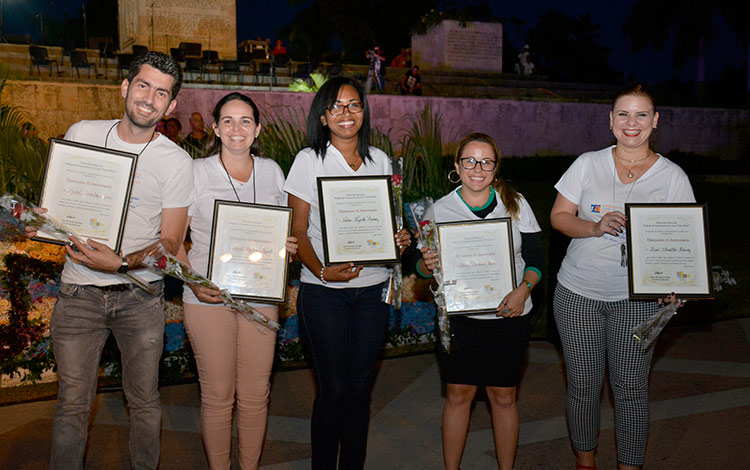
508	196
215	146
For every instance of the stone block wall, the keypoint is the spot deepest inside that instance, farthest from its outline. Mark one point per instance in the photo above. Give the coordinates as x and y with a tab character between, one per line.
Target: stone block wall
451	46
521	128
54	106
213	23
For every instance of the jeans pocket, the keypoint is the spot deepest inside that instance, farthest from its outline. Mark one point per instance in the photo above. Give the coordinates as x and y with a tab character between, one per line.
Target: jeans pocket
69	290
142	296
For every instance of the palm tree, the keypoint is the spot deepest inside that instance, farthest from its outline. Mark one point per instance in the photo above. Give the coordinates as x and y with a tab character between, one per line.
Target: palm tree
691	21
22	153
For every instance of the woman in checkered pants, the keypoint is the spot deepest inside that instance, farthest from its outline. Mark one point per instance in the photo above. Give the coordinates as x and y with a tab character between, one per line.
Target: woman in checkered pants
591	307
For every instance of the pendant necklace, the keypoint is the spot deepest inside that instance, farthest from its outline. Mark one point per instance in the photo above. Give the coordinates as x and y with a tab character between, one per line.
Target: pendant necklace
352	165
623	249
106	138
221	160
630	170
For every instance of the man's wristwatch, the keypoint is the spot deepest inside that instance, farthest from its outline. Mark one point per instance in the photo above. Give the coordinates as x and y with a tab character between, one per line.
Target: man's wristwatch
124	266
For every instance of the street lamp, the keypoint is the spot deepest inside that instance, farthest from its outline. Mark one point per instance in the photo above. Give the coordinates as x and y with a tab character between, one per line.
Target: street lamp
41	27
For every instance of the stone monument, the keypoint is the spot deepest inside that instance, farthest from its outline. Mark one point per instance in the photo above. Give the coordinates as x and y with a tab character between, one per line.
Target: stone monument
477	46
163	24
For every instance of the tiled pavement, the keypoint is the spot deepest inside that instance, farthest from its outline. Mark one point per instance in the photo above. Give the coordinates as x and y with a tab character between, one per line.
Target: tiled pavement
700	392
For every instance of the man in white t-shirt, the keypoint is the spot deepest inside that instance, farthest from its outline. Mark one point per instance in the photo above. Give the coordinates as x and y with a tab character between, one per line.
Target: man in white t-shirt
95	297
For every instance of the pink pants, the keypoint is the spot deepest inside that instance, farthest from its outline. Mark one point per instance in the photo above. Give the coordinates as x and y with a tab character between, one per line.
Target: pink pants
234	360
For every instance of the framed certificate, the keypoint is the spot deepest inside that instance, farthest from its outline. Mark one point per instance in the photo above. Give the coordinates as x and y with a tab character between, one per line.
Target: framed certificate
87	188
357	220
247	253
668	251
477	264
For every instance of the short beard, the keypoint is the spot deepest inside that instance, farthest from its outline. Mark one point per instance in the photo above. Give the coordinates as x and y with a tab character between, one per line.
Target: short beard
148	125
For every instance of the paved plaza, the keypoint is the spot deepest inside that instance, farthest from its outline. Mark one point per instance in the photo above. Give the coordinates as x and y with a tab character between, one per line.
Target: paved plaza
700	410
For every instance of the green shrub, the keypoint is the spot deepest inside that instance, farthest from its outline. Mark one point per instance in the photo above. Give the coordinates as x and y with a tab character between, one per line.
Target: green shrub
22	153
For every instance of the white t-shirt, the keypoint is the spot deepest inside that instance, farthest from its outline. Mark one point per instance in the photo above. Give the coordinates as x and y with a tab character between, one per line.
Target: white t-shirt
451	208
163	180
211	183
302	183
591	267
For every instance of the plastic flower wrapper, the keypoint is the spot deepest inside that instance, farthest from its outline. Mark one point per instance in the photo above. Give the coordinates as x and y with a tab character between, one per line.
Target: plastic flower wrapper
648	330
24	211
159	258
427	236
392	292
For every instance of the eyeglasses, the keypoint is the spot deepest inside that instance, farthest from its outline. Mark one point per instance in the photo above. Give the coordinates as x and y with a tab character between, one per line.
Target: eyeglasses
354	107
470	163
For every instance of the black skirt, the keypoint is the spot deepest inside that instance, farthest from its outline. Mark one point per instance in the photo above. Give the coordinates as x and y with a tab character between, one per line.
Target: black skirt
485	352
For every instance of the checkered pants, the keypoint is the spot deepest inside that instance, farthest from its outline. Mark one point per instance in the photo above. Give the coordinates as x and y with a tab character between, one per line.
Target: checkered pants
593	332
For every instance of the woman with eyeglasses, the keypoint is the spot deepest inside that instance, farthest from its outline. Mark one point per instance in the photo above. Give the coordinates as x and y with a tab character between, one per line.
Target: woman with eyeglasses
342	317
487	350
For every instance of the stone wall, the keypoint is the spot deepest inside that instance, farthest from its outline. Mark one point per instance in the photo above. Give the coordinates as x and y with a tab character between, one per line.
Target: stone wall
213	23
476	46
54	106
521	128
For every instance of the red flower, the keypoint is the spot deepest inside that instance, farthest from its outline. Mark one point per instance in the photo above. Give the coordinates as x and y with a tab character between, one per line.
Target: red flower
17	210
423	223
396	179
162	263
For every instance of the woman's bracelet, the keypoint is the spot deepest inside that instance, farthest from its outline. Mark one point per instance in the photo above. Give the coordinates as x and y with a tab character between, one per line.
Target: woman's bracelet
528	284
322	279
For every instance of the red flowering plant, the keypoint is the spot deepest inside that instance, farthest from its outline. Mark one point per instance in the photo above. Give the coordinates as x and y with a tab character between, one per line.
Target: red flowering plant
161	259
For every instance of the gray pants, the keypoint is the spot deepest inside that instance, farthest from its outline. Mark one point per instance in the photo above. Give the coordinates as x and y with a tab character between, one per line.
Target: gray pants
81	322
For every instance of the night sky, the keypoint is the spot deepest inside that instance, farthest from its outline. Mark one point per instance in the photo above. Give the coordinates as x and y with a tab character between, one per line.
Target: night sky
254	17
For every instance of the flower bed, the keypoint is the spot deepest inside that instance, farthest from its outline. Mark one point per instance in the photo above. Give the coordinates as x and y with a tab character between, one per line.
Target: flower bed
29	282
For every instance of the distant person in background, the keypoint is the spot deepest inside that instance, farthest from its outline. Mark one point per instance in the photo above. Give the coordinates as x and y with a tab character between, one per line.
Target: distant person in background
527	67
195	142
173	130
401	60
161	126
411	82
279	48
377	69
522	56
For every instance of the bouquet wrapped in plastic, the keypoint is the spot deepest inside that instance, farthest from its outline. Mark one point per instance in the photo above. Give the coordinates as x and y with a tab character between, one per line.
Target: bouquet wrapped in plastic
25	212
161	259
427	237
392	294
648	330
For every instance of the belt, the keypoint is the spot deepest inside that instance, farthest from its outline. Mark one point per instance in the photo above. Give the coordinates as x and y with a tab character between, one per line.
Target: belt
118	287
